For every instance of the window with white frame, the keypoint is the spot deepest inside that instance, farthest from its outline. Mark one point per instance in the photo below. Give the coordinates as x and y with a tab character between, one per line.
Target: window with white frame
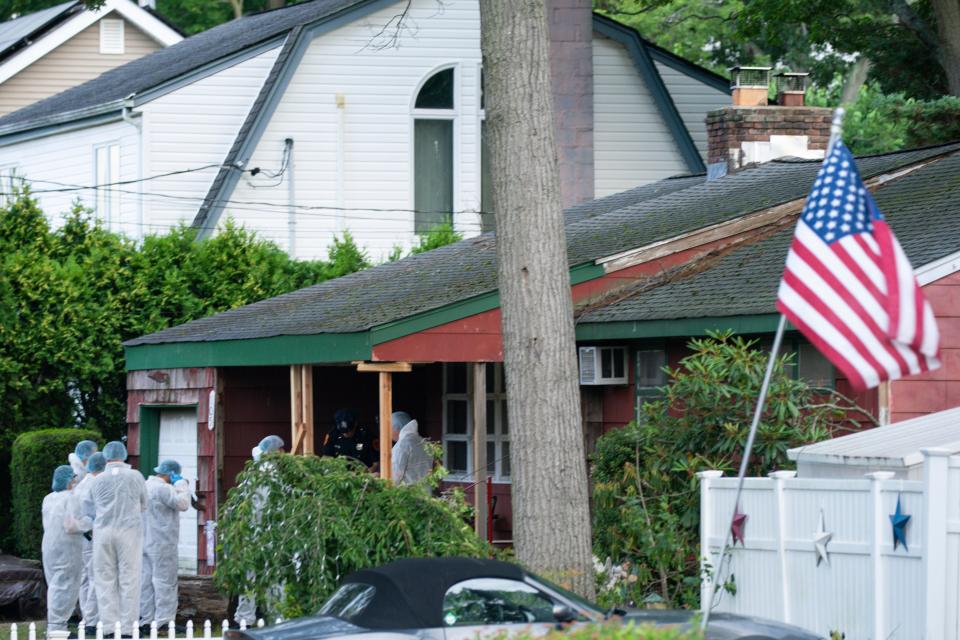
434	116
111	36
106	172
9	180
458	422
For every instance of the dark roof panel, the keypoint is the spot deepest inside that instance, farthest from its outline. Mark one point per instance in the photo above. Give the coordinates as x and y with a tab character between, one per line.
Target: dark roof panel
922	208
173	62
394	291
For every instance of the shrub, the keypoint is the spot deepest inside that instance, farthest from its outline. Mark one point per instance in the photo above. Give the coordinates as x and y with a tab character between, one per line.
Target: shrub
613	630
322	519
35	455
646	494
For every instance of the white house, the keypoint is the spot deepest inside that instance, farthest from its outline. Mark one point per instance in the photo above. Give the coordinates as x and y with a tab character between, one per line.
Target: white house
48	51
304	122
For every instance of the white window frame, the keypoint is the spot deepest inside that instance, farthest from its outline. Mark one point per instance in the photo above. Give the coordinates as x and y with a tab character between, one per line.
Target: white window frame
498	395
9	179
105	49
107	200
436	114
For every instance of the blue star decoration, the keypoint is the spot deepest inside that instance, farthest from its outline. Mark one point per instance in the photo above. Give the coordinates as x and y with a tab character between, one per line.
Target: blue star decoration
899	522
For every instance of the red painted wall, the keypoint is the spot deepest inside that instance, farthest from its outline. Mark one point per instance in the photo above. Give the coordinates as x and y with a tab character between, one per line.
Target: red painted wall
477	338
940	389
175	388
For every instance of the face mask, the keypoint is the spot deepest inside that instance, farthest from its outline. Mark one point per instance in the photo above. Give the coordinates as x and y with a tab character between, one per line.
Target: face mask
343	426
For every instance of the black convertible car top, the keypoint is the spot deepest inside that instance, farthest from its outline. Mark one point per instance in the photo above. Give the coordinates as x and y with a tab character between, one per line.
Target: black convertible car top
409	593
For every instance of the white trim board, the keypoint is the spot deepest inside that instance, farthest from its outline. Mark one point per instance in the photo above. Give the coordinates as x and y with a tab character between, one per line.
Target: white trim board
945	266
136	15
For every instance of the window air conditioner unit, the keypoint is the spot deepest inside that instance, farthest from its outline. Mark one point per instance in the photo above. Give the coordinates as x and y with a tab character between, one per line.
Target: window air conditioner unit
603	365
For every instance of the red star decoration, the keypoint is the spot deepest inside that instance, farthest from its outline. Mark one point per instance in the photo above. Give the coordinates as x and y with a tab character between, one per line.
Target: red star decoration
736	529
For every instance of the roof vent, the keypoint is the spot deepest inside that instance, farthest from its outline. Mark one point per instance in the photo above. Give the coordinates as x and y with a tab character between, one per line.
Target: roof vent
750	85
791	88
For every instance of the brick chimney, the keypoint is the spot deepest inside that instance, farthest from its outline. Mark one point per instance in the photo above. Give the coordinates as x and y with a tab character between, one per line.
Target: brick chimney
571	76
751	131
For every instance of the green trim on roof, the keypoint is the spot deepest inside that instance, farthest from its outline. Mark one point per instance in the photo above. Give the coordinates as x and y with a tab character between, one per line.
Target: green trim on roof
278	350
463	309
766	323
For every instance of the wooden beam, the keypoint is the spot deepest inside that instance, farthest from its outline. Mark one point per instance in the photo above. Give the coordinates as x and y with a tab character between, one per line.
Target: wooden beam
384	367
306	417
478	397
386	409
295	408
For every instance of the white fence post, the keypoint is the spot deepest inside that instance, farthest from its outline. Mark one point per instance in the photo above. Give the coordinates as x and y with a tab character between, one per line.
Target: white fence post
189	629
224	627
13	631
778	477
876	552
32	631
706	525
99	635
207	630
936	468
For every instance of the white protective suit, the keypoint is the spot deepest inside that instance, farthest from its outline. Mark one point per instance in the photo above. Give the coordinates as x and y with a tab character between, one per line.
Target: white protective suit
88	595
247	605
78	466
410	459
62	557
161	534
119	496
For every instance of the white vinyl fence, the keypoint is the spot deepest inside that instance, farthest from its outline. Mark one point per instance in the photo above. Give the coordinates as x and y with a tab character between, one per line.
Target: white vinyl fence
155	634
866	588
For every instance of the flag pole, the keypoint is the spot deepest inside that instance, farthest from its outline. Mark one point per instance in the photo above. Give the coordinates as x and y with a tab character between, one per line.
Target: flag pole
707	604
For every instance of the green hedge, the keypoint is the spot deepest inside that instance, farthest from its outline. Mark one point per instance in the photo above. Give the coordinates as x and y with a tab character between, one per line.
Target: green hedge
35	455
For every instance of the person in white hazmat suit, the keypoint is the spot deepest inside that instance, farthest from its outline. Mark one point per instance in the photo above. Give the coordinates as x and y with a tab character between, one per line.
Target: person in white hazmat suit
82	499
61	550
81	454
247	605
168	493
411	461
119	496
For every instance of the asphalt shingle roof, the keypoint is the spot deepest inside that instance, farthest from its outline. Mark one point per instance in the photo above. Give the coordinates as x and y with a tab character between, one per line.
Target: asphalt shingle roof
922	208
175	61
394	291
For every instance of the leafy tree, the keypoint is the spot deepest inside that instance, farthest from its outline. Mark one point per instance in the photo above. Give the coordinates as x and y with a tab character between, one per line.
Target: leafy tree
877	122
912	45
439	236
321	518
646	493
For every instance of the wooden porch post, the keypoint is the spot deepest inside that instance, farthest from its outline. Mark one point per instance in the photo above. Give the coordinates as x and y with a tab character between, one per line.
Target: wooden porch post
386	371
386	410
478	394
301	409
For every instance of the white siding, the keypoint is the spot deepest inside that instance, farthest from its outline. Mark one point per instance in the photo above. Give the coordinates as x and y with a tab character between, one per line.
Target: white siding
693	99
65	160
632	145
191	127
374	165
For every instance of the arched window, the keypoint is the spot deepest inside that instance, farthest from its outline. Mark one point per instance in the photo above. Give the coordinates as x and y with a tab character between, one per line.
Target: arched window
433	120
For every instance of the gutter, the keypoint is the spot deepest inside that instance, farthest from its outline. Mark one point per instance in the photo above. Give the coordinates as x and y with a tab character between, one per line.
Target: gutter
62	117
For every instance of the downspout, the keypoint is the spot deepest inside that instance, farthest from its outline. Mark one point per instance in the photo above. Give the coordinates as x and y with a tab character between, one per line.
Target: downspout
291	202
136	122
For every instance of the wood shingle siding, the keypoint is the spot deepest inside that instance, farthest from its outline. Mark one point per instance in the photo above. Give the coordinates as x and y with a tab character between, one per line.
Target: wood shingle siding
76	61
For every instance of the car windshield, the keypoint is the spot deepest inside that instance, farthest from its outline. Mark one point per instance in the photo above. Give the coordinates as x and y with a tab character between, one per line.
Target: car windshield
349	601
580	602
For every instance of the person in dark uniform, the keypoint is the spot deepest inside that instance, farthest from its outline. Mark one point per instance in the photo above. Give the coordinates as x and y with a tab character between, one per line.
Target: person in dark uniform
348	439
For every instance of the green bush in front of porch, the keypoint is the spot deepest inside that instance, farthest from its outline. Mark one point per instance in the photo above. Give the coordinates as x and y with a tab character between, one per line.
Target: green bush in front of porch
34	457
296	525
646	500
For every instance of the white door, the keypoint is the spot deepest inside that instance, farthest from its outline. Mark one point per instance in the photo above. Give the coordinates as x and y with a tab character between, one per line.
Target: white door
178	441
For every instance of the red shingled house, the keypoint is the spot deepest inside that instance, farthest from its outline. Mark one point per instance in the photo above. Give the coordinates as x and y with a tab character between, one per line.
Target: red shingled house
649	268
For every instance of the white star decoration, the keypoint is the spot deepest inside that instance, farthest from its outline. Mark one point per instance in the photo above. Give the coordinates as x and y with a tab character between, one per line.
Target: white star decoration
820	541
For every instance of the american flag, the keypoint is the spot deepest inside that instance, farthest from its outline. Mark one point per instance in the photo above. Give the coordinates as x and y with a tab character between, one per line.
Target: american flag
849	287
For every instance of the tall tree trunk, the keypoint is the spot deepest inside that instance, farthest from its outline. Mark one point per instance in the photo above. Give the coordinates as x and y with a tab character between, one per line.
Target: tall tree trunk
551	510
948	32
